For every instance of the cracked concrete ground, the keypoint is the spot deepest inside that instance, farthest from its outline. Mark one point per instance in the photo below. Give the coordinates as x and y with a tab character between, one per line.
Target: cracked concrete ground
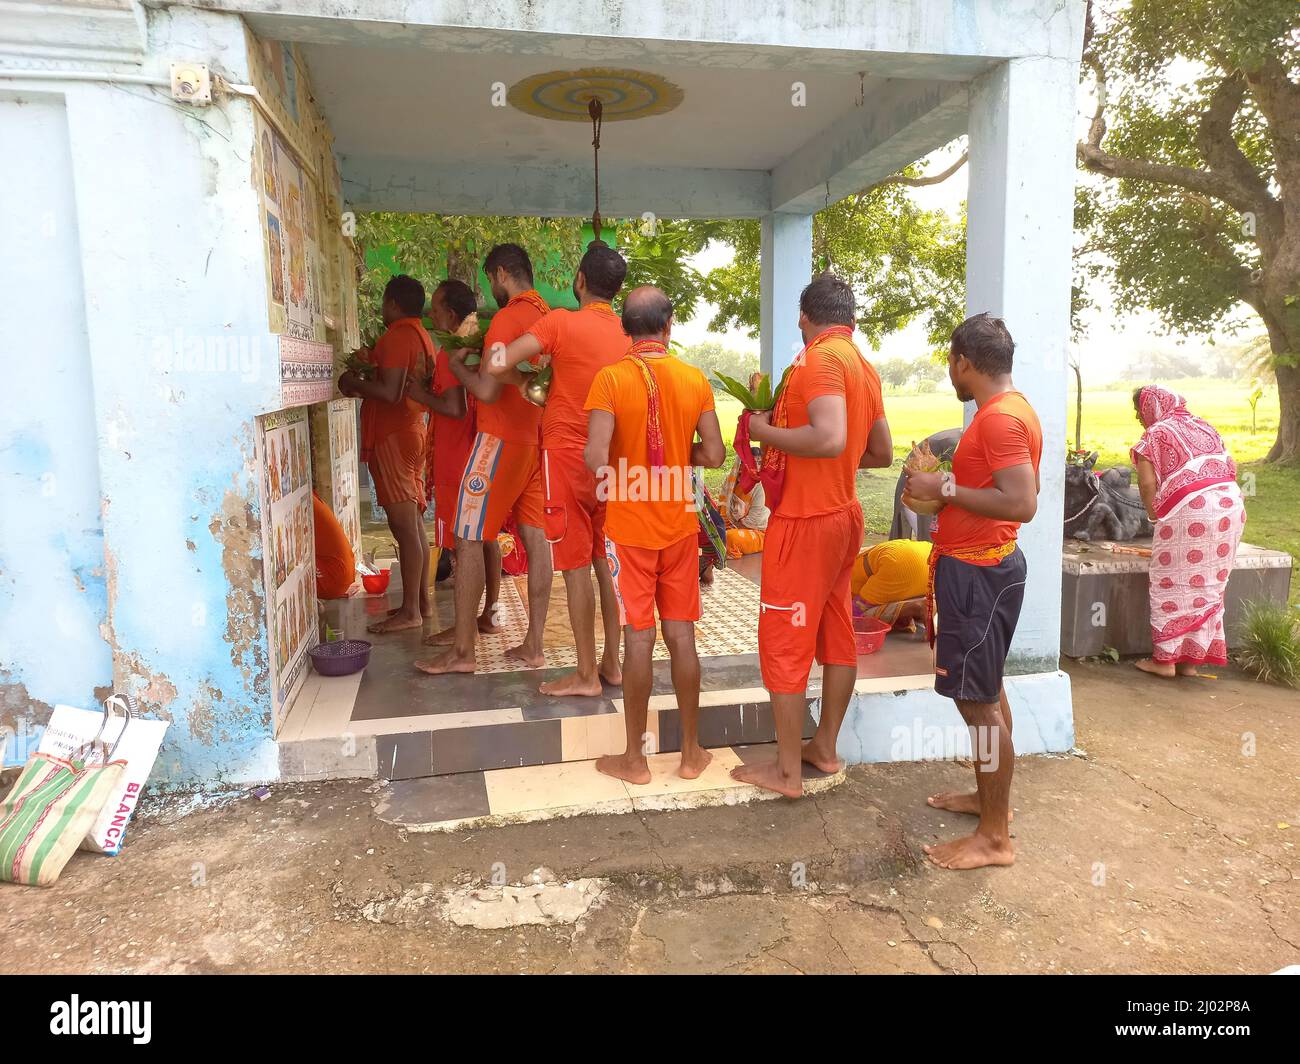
1166	847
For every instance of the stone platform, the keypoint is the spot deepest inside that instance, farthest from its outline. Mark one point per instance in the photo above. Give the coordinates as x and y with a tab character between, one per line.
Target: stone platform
1104	595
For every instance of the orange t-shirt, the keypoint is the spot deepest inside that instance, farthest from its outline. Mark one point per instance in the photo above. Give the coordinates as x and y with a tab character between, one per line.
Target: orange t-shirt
452	436
512	417
581	343
404	345
1003	433
834	366
644	508
335	562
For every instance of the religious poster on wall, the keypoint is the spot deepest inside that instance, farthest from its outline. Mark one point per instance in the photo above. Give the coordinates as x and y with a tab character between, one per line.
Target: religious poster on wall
344	465
288	548
291	227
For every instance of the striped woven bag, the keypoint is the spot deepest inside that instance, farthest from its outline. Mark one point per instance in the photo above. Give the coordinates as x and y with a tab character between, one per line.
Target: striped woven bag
49	811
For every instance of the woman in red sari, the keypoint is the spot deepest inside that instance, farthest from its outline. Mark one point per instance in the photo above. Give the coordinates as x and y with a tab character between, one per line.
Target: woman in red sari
1188	482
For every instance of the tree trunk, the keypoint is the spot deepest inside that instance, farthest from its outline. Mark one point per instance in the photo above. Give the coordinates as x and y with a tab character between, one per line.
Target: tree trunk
462	266
1286	448
1282	320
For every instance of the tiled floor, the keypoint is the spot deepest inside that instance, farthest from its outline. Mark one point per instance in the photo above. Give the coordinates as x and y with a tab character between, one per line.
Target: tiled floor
425	725
544	792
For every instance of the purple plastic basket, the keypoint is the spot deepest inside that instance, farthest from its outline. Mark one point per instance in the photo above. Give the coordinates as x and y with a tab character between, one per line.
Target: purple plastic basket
340	658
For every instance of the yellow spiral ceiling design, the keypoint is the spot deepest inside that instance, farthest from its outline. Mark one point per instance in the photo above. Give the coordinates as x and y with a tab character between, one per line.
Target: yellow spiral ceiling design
563	95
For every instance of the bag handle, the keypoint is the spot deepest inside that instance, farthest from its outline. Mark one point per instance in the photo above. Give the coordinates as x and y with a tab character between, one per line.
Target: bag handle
126	705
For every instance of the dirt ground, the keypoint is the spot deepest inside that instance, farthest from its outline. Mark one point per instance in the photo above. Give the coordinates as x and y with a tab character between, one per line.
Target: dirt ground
1166	843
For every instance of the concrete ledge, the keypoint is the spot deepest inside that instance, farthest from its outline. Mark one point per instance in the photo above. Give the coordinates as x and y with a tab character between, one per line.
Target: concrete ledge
919	725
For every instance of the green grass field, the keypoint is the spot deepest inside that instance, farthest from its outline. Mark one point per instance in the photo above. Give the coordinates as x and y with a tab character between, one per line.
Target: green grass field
1109	427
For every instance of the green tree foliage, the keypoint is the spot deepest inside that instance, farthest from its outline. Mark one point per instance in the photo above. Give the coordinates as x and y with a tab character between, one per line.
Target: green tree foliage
713	359
905	263
432	247
1201	215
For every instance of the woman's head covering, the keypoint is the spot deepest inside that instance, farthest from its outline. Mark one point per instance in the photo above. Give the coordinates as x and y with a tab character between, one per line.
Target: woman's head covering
1156	403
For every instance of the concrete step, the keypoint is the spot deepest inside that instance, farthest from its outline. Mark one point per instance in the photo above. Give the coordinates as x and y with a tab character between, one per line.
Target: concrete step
546	792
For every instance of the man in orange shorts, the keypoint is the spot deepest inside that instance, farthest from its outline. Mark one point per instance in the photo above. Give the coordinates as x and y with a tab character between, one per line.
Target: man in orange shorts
393	440
580	344
645	412
501	474
979	575
451	432
829	422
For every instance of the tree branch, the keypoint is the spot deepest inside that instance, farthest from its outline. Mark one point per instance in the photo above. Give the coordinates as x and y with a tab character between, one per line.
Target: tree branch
918	182
1221	186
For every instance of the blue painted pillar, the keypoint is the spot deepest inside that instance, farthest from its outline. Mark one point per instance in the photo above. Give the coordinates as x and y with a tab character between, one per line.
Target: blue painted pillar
1018	247
785	268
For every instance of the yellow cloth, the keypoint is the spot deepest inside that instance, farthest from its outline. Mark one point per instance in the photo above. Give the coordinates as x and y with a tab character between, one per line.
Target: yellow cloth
899	569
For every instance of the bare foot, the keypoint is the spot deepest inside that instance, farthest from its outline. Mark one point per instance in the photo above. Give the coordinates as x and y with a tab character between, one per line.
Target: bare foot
960	802
441	639
633	768
974	851
1186	668
611	671
445	663
1156	668
815	756
572	684
398	623
767	775
522	653
694	762
485	625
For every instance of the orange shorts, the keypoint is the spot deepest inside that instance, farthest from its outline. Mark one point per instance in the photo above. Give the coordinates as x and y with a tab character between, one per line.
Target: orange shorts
805	610
575	518
444	515
645	578
500	478
397	468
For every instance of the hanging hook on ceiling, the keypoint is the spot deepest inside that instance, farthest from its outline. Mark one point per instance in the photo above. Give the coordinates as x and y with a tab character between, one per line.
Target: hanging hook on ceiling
596	110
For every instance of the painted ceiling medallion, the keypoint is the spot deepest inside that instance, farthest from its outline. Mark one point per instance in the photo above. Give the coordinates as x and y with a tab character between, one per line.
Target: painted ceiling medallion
563	95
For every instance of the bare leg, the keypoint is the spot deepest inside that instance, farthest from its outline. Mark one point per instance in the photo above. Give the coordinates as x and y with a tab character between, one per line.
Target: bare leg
631	764
969	801
412	544
469	586
610	670
680	637
994	764
540	574
837	691
582	619
784	775
488	622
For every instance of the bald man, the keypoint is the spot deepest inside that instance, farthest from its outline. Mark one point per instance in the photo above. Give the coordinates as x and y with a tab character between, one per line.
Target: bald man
644	413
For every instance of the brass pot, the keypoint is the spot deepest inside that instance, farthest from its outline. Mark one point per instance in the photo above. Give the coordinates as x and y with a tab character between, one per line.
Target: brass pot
538	386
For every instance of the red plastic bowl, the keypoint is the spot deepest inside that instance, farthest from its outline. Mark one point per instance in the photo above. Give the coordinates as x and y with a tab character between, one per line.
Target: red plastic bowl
376	583
869	634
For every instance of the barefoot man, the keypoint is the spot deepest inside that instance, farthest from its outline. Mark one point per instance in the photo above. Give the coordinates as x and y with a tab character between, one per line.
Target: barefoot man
828	423
392	441
645	412
451	433
979	575
580	344
502	474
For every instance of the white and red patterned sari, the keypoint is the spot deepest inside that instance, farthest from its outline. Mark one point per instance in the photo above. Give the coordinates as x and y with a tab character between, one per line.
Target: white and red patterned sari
1200	516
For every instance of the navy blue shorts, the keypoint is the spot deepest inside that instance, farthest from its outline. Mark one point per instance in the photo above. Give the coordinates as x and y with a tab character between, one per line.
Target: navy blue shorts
977	607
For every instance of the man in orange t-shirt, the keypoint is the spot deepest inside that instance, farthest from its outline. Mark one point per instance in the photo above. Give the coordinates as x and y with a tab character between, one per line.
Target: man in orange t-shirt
501	476
978	575
829	422
336	565
580	344
645	412
393	441
451	434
